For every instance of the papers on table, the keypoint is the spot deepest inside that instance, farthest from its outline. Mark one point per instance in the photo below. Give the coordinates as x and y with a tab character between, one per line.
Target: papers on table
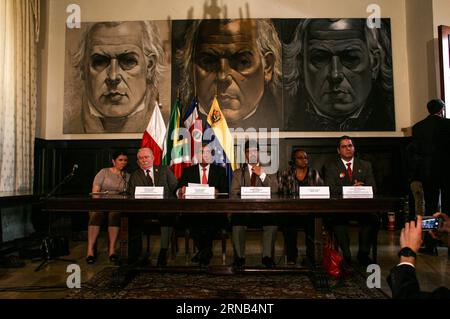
311	192
255	192
357	192
199	191
155	192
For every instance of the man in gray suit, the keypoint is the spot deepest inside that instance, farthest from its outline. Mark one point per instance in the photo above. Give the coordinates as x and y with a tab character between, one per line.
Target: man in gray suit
347	170
252	174
149	175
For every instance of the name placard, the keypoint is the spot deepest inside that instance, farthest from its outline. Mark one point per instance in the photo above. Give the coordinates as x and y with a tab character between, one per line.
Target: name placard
199	192
153	192
255	192
314	192
357	192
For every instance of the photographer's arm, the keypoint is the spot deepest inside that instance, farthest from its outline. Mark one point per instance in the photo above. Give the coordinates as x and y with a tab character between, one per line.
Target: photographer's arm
411	237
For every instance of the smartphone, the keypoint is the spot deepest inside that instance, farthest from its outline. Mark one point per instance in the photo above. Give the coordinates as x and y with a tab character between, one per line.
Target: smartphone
431	223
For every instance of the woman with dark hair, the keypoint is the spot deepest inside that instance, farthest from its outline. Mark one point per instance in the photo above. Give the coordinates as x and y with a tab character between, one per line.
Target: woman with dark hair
299	174
112	180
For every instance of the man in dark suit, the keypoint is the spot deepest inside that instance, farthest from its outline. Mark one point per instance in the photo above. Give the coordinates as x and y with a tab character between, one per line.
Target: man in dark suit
150	175
402	278
347	170
428	144
252	174
204	227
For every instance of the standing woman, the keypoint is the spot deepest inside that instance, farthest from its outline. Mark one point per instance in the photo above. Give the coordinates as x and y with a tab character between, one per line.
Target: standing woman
114	180
300	174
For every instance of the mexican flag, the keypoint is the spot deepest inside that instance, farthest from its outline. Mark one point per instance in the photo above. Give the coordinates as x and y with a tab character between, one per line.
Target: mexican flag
177	150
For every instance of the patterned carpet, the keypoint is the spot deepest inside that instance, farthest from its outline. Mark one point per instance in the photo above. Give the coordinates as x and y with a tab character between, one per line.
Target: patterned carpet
145	285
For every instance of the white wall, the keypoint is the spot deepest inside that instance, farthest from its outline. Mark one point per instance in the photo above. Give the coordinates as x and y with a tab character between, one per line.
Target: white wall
421	61
441	16
52	99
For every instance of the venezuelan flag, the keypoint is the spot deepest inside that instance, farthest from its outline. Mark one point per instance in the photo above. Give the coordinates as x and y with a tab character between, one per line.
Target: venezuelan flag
223	141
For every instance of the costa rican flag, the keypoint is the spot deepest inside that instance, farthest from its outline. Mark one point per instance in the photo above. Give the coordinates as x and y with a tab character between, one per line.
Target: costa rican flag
193	123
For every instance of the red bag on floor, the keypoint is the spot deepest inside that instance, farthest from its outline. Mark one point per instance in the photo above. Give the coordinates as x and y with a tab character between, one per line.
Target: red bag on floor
333	262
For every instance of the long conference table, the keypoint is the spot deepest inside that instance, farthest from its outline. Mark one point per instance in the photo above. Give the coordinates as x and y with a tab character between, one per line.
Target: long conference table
144	207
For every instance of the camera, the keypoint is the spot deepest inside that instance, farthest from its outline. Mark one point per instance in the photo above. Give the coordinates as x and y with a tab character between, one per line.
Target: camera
431	223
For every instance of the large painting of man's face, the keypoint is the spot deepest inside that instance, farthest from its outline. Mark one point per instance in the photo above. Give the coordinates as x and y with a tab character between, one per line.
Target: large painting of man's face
290	74
114	76
343	78
235	61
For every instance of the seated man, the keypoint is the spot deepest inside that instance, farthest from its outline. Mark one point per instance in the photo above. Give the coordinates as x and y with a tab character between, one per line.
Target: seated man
204	227
149	175
347	170
252	174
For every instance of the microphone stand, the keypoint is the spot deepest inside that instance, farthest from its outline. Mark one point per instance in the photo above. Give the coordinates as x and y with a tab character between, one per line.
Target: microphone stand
50	238
64	181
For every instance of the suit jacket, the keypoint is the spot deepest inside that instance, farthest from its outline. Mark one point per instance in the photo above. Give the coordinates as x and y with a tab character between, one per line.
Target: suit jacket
237	181
404	285
163	176
427	143
335	175
217	177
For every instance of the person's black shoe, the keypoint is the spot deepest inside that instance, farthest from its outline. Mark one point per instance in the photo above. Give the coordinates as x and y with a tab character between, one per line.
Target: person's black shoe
162	258
364	260
268	262
239	262
205	257
90	259
291	261
113	258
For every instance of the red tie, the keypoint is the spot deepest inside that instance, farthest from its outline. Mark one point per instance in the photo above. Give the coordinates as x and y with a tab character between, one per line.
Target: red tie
349	171
204	178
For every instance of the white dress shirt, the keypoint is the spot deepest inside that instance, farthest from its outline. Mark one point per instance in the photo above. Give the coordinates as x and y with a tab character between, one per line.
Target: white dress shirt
345	163
262	176
150	173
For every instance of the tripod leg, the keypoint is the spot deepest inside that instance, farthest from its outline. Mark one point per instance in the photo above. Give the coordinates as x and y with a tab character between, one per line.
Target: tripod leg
41	265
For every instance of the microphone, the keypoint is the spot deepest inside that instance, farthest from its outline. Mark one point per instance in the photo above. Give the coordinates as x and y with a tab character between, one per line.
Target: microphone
74	168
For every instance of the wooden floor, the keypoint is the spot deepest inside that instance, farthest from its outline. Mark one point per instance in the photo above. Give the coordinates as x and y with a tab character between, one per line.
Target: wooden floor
50	282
